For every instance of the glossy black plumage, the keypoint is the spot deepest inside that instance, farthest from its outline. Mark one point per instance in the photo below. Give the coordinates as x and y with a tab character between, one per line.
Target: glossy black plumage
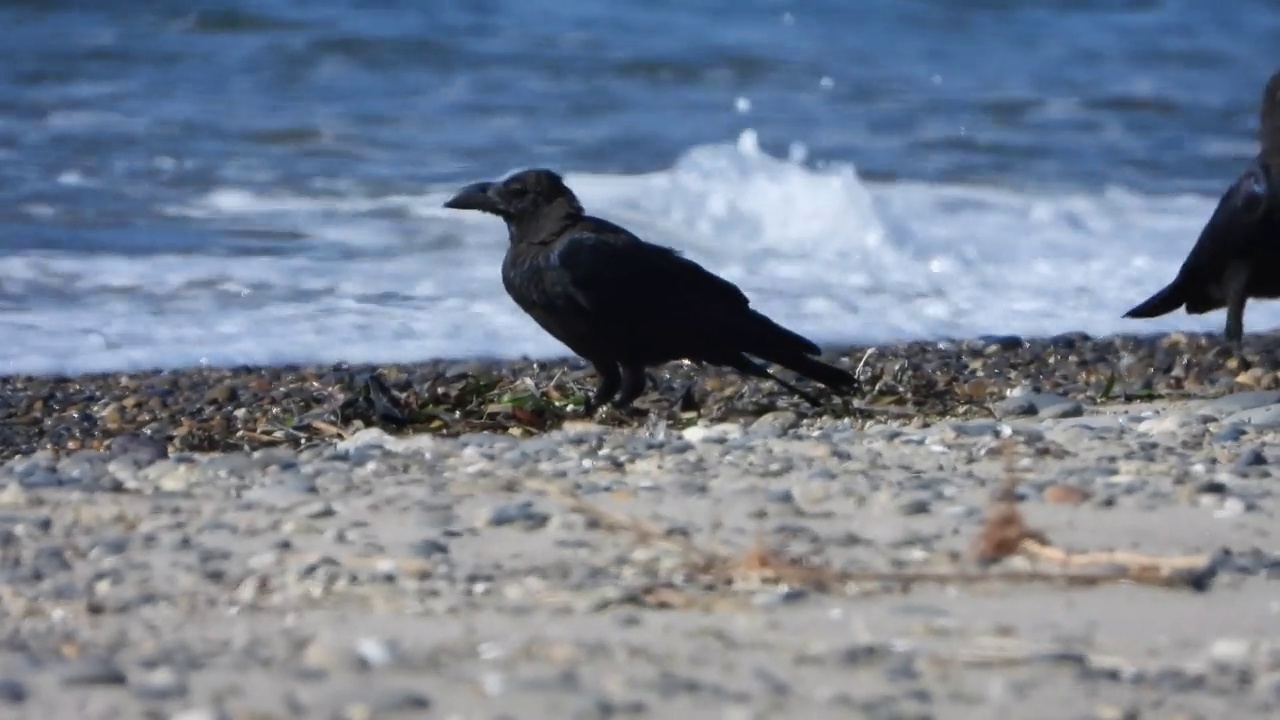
624	304
1237	255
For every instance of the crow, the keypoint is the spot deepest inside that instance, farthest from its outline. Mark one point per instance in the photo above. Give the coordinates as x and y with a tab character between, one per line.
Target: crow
624	304
1237	255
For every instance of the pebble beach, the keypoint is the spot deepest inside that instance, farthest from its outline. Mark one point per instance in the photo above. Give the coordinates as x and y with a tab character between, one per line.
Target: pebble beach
276	444
454	540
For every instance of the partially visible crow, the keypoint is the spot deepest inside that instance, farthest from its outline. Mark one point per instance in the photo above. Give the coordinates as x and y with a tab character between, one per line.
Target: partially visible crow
1238	254
624	304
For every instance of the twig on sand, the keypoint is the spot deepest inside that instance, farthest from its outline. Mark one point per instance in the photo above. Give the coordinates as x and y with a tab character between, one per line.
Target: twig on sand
1004	535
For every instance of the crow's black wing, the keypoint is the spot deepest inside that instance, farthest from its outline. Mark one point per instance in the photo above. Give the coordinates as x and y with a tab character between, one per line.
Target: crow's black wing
1239	211
615	275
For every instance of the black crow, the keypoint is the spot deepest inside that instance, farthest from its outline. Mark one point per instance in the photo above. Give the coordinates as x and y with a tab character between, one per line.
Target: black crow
1237	256
624	304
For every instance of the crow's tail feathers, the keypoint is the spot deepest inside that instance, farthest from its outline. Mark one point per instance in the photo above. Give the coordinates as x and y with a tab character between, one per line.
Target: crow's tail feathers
1170	298
773	343
814	369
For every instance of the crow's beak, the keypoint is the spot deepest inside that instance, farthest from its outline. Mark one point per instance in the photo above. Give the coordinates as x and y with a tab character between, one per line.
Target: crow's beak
476	196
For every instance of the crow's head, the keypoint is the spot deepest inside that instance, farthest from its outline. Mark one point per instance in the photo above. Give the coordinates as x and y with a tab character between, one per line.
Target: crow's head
523	197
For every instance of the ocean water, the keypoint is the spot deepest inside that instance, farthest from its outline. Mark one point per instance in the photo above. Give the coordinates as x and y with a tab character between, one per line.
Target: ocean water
236	182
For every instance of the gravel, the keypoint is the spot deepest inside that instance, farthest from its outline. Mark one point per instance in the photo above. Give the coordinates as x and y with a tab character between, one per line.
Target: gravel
142	417
499	570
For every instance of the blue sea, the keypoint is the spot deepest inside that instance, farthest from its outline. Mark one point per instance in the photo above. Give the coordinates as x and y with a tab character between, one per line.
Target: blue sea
188	182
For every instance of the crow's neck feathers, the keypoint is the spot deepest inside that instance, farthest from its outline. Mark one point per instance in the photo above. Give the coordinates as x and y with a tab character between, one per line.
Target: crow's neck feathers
546	225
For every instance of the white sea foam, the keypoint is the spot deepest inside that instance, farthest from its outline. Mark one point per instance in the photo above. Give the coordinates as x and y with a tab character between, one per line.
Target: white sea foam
402	278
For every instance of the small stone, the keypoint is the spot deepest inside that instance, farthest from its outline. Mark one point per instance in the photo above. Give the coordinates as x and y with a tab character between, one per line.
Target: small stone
1169	423
429	547
1063	410
92	671
12	691
201	713
971	429
915	506
996	344
865	653
593	708
1259	418
162	683
143	449
1060	494
1231	507
523	513
1116	712
42	478
771	681
316	510
376	703
774	424
167	475
375	652
1241	401
322	655
1046	405
781	496
13	495
720	433
1017	406
1212	487
220	395
1252	457
1231	652
1230	434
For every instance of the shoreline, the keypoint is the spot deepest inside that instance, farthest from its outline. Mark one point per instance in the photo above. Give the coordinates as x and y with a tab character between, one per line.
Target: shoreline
235	408
656	572
489	362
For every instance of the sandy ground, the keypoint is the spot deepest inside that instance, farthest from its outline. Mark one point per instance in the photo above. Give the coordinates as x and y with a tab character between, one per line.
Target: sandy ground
605	574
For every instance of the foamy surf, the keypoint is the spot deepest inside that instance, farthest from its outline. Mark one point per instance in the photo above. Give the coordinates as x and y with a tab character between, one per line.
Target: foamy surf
368	278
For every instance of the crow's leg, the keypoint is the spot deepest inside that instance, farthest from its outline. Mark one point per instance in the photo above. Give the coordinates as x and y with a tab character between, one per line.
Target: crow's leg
1234	286
610	381
744	364
633	384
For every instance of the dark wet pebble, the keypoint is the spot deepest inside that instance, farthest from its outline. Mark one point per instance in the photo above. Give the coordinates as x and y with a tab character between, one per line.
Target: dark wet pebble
1229	434
1018	406
915	506
601	708
1253	457
430	547
12	691
143	448
45	478
1043	404
860	654
522	513
997	343
781	496
1068	409
92	671
902	669
50	561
